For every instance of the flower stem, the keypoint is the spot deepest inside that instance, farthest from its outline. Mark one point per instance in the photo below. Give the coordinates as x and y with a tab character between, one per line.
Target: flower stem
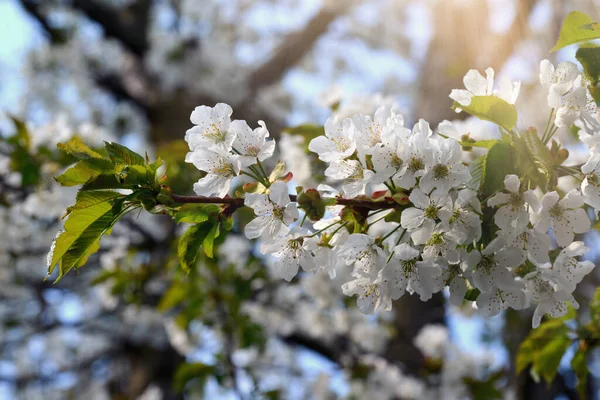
327	227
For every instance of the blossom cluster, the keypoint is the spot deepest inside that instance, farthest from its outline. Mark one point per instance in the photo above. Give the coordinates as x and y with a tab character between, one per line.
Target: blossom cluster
432	238
224	148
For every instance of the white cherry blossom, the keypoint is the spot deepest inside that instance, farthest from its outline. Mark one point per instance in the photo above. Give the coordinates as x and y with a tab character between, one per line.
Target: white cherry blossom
409	274
557	81
514	213
567	270
371	295
418	156
462	220
293	251
220	167
338	143
421	220
549	298
274	212
361	251
212	127
475	85
491	303
565	216
590	186
355	176
536	244
251	144
447	171
493	268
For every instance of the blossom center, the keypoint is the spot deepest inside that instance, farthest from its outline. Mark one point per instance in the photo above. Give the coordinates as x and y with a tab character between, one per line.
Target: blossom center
253	150
397	161
556	211
486	263
440	171
215	133
431	211
408	266
415	164
278	212
436	239
516	201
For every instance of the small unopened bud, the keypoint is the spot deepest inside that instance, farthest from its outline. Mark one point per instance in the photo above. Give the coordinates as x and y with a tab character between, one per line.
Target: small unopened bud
250	187
379	194
401	198
562	155
287	177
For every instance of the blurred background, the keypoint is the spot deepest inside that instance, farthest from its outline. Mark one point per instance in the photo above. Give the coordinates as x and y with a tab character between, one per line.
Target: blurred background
131	324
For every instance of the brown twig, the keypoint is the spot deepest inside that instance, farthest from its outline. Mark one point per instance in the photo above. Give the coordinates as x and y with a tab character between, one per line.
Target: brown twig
237	202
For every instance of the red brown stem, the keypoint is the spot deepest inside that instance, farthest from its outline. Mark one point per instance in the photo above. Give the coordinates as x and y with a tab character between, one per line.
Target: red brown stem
236	202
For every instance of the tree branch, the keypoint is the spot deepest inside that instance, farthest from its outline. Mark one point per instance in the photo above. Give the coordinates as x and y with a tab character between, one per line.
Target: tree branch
293	48
237	202
128	25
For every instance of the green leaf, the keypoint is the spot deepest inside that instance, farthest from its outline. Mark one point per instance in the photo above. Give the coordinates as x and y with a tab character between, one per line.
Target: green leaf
27	165
589	57
308	131
79	150
484	144
22	135
499	162
196	213
93	198
539	162
579	365
188	372
92	216
545	347
487	389
477	169
124	177
595	307
209	241
172	297
577	27
493	109
122	155
83	171
547	361
189	244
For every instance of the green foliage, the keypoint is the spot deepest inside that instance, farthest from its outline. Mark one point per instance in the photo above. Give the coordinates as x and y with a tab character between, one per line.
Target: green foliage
499	162
589	57
172	297
122	155
189	244
97	207
545	347
307	131
493	109
487	389
92	216
79	150
580	367
84	171
577	27
198	372
196	213
534	161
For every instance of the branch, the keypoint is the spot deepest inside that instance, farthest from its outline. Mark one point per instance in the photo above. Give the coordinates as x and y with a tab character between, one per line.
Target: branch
34	8
293	48
128	25
237	202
